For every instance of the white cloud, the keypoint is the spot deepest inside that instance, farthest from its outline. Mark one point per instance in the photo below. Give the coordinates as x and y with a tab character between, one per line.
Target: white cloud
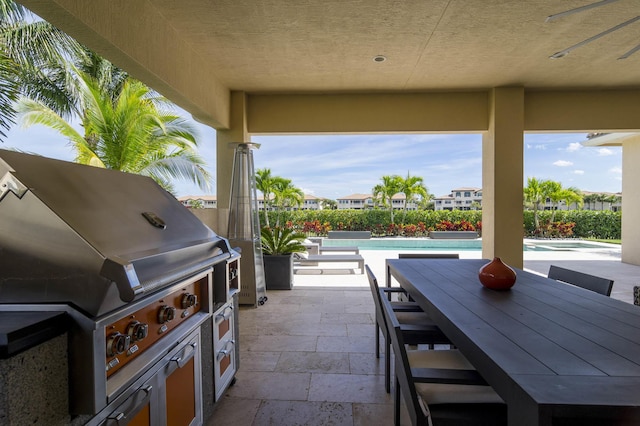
537	146
563	163
617	170
578	172
574	146
603	152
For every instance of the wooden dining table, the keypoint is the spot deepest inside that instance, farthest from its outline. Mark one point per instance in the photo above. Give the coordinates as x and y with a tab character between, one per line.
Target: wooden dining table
557	354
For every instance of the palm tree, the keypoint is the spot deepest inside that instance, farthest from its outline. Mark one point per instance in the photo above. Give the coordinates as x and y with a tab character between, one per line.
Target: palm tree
329	204
590	199
385	191
552	190
127	131
411	187
32	62
534	194
573	195
285	194
264	184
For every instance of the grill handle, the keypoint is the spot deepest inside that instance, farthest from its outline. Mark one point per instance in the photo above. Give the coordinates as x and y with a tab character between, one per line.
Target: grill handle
138	400
182	360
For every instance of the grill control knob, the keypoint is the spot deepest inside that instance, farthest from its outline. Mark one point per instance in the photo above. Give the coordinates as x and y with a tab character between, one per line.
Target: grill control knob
189	300
117	343
137	331
166	314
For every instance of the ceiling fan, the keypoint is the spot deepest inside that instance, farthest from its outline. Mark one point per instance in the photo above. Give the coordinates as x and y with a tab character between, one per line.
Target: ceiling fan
565	52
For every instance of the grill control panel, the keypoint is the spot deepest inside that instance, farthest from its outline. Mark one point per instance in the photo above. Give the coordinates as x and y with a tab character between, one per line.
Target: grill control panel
132	334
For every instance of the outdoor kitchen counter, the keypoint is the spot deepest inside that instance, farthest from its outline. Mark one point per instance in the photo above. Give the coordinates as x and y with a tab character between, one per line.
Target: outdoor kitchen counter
20	331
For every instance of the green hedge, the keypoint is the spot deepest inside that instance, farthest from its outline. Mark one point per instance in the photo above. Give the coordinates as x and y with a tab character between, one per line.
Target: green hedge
589	224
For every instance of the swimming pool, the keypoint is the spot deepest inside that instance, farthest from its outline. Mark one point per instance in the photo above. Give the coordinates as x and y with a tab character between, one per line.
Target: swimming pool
464	245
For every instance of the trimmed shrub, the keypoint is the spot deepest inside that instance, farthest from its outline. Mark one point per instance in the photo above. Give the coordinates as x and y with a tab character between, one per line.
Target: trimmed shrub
582	223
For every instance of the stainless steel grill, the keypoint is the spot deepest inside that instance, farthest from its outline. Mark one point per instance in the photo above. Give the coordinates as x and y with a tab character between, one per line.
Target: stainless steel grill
122	256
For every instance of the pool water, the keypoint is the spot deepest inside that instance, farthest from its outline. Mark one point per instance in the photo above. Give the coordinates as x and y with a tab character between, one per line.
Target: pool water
463	245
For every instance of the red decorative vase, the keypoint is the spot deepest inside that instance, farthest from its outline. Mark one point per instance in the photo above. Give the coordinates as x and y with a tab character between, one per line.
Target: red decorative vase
497	275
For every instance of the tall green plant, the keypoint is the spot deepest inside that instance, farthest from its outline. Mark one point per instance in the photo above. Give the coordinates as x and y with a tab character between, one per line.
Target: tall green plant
411	187
534	195
390	186
264	184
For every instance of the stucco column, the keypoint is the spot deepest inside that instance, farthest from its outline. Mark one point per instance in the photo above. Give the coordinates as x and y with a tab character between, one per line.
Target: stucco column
237	132
502	177
630	200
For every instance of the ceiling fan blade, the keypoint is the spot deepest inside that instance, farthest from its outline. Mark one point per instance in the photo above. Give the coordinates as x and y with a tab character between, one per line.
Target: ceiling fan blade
578	9
565	52
631	52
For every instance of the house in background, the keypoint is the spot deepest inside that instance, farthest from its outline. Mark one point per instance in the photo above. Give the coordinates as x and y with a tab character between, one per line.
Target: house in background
199	201
365	201
463	198
210	202
355	201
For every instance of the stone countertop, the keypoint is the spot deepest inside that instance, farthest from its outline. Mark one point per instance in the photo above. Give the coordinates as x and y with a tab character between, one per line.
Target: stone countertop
20	331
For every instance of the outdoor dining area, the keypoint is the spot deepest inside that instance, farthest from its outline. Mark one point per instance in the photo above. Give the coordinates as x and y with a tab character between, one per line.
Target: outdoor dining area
449	351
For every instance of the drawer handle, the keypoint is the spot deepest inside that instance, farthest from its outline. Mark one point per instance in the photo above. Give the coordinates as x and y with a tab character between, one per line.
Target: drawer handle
228	348
181	361
225	315
123	417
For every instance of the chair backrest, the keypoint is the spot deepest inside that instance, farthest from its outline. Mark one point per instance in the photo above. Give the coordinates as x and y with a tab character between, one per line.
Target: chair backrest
375	292
580	279
403	369
428	256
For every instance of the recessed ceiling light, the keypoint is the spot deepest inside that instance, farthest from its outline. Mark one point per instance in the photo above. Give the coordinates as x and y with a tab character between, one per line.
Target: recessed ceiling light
379	58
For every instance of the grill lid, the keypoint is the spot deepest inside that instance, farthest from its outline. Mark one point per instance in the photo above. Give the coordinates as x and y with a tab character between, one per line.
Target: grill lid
69	232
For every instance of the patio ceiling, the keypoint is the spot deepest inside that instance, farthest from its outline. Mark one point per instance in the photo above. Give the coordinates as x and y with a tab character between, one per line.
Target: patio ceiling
196	51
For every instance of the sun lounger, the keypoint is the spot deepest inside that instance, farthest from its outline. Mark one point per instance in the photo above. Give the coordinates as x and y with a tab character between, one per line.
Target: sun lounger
325	249
312	260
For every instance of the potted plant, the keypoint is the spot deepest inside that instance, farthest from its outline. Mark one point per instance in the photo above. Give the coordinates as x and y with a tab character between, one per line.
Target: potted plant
278	247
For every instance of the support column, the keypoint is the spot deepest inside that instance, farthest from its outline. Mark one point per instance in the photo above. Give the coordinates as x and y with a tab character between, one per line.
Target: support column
630	201
237	132
502	177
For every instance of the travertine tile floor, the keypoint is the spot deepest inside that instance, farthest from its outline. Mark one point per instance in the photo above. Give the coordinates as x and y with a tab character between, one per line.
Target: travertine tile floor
307	358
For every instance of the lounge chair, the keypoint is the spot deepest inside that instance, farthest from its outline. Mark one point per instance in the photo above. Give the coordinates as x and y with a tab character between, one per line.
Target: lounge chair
315	259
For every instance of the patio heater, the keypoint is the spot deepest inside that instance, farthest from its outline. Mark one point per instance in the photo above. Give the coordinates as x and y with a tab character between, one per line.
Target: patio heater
244	225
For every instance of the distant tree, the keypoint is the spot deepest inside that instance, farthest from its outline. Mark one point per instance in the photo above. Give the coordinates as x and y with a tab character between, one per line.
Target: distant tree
264	184
534	195
411	187
390	186
196	204
286	195
556	193
328	204
590	199
573	195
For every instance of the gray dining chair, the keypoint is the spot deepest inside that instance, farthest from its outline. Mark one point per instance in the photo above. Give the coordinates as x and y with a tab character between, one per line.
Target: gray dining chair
580	279
440	388
416	325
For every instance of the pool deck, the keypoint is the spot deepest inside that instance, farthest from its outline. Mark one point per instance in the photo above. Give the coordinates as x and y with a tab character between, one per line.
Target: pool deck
604	263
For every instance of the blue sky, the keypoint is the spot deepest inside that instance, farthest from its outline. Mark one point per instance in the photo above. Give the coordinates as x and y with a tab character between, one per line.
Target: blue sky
336	166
